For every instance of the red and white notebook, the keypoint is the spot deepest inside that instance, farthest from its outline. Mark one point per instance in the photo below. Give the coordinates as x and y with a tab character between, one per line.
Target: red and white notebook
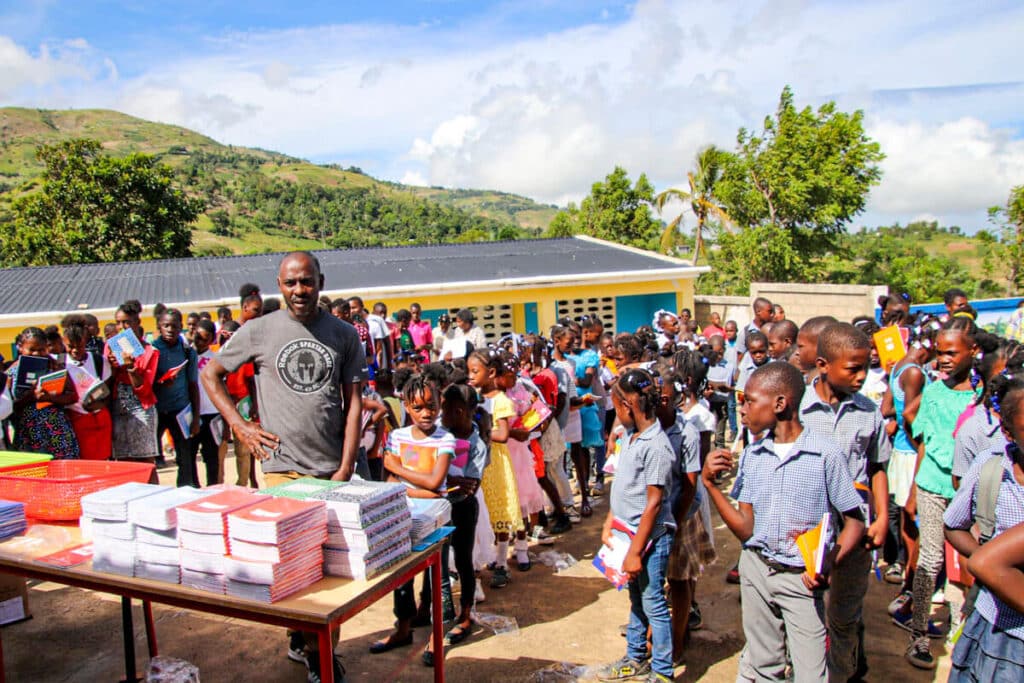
172	372
209	515
274	520
609	560
287	549
68	557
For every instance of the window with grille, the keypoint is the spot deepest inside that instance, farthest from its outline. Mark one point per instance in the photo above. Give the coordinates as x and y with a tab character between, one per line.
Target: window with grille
602	307
495	320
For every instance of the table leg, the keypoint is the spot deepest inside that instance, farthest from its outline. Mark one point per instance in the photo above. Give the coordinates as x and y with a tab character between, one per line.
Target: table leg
437	605
147	613
3	676
326	655
128	627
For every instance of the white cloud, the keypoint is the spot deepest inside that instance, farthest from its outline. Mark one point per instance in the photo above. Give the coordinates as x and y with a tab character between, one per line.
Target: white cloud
547	115
414	178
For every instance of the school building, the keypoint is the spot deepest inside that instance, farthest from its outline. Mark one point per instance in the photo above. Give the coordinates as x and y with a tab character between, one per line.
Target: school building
522	285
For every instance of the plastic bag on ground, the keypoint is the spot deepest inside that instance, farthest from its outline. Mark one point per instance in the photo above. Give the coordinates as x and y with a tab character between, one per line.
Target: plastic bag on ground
564	672
499	624
556	560
171	670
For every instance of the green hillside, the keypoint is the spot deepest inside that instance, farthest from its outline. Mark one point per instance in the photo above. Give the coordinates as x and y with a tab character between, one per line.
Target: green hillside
259	200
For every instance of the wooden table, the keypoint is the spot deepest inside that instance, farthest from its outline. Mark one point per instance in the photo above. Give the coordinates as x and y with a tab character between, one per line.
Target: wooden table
319	608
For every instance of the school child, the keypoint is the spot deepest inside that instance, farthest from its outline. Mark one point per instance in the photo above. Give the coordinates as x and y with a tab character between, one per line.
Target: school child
782	339
41	429
531	496
458	405
89	416
999	565
991	645
755	357
177	394
551	442
876	381
133	404
908	379
942	402
591	329
978	433
587	362
787	482
666	325
833	408
419	456
692	549
640	499
807	344
721	374
208	442
562	338
499	479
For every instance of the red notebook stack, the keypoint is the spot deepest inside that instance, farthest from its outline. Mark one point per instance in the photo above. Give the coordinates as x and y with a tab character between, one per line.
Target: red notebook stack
276	548
202	537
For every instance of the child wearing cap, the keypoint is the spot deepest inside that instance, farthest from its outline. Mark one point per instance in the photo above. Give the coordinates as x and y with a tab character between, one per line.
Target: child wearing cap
787	482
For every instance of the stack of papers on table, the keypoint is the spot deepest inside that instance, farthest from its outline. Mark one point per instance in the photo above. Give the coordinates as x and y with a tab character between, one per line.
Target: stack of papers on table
202	536
156	532
105	520
12	519
367	529
276	548
302	489
428	514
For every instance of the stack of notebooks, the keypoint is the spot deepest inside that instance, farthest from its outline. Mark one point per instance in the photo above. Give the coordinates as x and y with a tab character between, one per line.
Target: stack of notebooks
156	532
276	548
368	525
105	520
202	537
12	519
428	515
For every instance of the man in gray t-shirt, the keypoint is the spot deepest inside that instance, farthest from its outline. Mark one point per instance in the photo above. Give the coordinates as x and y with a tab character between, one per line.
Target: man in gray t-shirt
309	366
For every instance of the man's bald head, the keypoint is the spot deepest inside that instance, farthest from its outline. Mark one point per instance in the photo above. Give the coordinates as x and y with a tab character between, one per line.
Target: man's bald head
300	281
304	257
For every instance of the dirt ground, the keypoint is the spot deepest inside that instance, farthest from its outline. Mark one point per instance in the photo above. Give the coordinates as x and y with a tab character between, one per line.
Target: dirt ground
568	617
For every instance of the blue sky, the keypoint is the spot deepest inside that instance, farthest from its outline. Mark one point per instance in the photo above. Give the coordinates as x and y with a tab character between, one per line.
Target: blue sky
542	98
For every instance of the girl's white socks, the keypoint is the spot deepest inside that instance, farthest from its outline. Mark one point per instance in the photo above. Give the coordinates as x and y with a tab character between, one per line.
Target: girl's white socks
522	552
502	555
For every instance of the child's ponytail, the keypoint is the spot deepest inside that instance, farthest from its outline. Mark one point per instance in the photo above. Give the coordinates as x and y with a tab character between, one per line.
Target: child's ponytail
640	383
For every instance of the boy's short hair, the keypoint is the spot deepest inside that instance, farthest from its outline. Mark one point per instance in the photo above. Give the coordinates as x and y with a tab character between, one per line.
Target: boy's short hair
271	304
208	326
781	378
757	336
839	338
223	311
952	294
254	296
784	329
247	290
814	326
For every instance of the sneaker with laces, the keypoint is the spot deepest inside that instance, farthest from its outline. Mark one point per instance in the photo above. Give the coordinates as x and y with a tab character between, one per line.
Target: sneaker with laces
904	619
297	648
919	653
655	677
624	669
313	669
541	537
894	573
573	514
901	603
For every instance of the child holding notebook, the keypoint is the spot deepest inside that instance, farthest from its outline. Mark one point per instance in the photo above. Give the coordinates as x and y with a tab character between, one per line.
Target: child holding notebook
788	483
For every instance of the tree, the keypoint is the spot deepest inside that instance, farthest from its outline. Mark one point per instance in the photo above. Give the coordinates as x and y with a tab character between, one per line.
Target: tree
615	210
1008	243
94	208
807	173
701	196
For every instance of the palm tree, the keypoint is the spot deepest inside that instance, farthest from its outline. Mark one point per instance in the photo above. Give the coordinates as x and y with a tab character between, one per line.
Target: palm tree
701	196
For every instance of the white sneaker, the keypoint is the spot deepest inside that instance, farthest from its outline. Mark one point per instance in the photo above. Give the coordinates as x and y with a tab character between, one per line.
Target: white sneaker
541	537
478	592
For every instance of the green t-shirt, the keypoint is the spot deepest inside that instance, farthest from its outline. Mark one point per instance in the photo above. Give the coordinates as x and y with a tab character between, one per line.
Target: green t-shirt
934	424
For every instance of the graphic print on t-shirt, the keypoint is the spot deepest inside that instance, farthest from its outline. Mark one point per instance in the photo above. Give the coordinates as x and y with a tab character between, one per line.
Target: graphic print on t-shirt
305	366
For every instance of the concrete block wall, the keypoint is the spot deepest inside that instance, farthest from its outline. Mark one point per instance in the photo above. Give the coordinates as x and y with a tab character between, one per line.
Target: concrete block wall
800	301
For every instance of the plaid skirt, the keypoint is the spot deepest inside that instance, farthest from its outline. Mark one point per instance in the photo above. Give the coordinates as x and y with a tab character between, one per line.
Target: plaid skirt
692	550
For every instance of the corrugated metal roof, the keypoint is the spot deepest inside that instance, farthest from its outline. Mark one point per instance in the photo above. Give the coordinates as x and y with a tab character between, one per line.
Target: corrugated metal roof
107	285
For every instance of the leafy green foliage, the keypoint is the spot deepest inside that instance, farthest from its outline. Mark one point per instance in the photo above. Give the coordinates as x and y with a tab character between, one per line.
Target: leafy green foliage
808	174
703	182
616	210
95	208
1005	249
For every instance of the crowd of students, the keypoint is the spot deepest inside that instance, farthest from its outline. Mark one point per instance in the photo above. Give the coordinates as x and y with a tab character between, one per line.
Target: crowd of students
902	459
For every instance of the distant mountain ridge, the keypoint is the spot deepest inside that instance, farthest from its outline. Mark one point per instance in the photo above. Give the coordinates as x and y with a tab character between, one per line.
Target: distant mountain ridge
260	200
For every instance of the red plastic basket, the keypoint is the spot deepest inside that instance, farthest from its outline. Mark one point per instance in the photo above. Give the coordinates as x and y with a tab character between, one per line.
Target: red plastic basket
53	490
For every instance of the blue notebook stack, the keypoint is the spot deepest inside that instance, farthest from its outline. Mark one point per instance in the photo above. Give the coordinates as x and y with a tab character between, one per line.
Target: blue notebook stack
12	519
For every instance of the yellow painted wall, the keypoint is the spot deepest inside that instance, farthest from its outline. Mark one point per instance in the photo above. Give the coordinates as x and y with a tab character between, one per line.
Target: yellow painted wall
544	297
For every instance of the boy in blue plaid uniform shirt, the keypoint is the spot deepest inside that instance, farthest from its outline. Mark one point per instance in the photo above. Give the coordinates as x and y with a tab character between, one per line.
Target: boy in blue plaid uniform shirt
832	409
787	482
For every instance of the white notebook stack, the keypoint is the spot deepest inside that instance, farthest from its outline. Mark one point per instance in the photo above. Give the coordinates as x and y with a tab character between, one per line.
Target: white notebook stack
368	525
202	537
105	517
428	515
276	548
156	532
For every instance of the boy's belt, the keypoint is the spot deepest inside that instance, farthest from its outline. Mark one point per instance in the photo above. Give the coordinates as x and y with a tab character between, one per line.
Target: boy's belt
777	567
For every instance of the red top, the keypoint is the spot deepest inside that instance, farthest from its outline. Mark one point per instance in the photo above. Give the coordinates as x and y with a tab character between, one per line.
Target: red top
147	364
548	385
237	381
